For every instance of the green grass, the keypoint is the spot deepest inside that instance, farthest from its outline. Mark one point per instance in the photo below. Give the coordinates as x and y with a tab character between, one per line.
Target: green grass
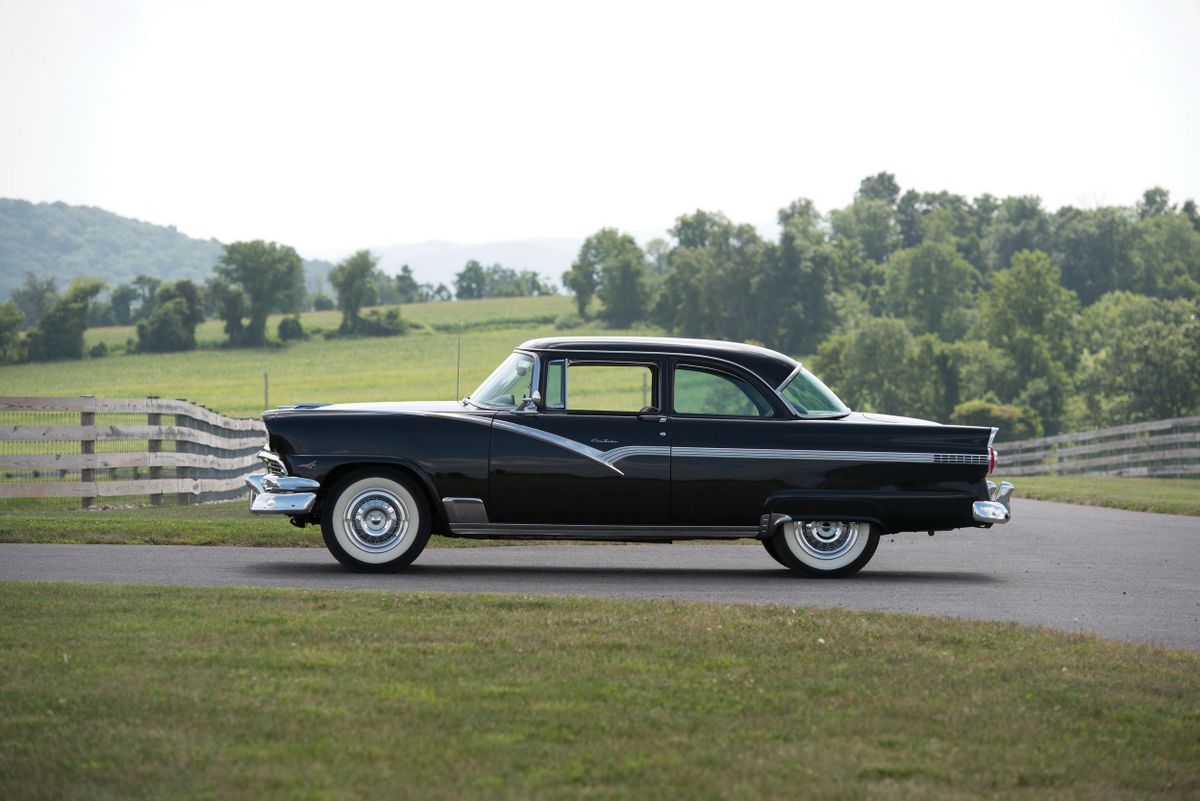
419	366
161	692
493	312
1168	495
203	524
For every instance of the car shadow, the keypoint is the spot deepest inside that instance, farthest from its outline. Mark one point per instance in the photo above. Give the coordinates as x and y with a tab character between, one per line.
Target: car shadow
559	576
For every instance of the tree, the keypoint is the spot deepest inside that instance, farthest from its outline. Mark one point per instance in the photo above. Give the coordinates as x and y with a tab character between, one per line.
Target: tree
612	266
1030	316
350	279
178	309
270	278
1190	211
471	282
1155	202
1096	250
35	297
622	287
123	296
12	349
866	229
932	287
1019	224
146	287
1167	255
59	332
881	186
406	286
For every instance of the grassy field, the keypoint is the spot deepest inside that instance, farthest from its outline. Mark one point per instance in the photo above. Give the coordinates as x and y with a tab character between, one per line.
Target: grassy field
228	523
156	692
1167	495
419	366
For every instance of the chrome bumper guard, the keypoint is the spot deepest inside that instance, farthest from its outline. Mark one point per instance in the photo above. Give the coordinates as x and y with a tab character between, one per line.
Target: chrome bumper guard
999	508
280	494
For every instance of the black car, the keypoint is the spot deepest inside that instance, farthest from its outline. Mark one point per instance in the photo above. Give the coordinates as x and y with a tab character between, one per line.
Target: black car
632	439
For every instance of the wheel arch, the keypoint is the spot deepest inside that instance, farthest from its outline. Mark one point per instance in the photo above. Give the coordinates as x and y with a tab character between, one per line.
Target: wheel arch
827	506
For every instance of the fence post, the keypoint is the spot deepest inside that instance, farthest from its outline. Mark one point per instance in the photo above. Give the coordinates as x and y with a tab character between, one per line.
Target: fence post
182	472
155	419
87	447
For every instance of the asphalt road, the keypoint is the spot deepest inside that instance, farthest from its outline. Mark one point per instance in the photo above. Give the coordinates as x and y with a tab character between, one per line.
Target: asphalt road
1124	575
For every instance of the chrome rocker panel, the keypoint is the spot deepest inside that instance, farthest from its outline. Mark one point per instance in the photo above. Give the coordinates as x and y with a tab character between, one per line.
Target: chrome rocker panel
998	509
278	493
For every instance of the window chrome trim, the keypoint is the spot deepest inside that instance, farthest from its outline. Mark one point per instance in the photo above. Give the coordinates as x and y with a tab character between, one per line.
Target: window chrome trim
803	415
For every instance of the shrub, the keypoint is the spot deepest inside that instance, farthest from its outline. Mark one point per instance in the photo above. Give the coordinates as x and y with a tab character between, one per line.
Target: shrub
98	351
290	329
568	321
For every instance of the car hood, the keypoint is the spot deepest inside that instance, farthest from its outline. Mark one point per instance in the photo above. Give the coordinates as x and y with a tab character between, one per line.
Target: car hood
873	417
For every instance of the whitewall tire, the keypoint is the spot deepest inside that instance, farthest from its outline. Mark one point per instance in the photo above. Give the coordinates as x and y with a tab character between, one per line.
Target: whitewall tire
375	522
827	548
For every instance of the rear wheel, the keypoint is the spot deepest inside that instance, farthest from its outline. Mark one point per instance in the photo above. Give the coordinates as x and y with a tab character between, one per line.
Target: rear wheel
825	548
375	522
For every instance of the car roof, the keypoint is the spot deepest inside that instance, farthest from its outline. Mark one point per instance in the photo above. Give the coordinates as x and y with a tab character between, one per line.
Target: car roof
772	366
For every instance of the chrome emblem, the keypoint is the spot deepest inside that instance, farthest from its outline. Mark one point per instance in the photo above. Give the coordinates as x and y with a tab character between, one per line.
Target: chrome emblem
308	465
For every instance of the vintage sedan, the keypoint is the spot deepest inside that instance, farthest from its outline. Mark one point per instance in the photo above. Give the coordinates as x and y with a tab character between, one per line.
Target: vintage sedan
633	439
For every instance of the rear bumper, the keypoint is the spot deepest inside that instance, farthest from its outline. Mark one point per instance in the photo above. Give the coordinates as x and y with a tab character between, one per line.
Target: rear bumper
280	494
996	510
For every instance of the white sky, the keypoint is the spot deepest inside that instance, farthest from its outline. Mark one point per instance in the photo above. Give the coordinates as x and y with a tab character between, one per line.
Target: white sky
336	126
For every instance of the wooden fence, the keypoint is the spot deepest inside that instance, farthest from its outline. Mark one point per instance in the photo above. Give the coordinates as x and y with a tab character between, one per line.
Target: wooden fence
92	448
1161	448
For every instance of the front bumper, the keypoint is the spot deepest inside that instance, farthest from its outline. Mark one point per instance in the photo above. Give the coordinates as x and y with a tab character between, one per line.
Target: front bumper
998	509
280	494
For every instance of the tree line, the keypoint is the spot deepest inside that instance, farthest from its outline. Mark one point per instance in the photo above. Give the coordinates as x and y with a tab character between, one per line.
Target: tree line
251	281
983	311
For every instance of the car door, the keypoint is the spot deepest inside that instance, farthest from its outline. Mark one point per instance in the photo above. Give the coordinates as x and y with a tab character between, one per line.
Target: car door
724	424
597	451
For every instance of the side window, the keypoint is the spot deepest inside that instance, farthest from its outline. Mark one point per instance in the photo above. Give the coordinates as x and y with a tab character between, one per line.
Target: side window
556	385
702	392
609	387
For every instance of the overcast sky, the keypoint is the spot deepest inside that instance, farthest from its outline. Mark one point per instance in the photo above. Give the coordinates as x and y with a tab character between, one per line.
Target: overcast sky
342	125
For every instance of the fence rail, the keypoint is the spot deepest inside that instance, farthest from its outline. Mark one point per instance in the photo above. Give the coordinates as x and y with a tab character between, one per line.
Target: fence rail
91	448
1169	448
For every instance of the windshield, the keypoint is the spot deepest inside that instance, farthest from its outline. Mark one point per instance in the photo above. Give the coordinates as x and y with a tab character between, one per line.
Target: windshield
808	395
509	384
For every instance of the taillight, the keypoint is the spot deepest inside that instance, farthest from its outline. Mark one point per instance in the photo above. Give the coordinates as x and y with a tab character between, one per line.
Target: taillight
991	460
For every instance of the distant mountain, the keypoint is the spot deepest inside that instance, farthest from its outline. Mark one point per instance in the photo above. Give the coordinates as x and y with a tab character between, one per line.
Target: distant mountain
63	242
436	262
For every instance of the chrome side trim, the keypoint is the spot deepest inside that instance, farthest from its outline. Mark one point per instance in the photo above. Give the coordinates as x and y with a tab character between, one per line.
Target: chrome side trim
830	456
602	532
465	510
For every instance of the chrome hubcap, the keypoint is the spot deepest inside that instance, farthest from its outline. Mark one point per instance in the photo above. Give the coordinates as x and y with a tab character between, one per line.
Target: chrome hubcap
826	539
376	520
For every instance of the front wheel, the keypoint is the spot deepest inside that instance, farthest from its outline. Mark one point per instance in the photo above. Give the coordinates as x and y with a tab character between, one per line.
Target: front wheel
375	522
825	548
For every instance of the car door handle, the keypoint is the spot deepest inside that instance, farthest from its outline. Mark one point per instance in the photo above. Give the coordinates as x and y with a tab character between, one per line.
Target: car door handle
653	418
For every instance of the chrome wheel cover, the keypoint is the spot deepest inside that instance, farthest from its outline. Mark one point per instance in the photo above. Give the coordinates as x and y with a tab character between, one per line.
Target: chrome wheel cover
826	539
376	520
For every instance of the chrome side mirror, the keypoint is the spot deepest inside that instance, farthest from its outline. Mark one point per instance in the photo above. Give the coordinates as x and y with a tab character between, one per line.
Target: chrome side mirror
531	404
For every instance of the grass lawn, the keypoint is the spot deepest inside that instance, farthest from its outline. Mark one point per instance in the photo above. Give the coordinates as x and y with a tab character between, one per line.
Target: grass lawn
1168	495
162	692
203	524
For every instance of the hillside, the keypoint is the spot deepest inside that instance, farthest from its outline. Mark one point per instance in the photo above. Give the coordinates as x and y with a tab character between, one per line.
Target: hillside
62	241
